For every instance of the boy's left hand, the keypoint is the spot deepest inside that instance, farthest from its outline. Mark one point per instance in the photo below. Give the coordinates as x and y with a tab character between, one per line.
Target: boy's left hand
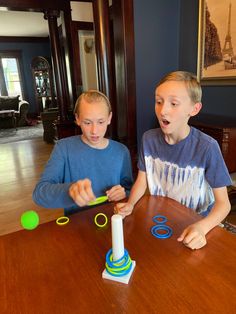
193	237
116	193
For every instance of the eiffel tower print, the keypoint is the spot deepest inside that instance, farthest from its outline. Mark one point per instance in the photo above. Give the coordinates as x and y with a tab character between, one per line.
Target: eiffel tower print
227	51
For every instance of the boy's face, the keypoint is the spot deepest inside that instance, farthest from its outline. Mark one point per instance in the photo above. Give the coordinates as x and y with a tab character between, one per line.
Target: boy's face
93	120
174	107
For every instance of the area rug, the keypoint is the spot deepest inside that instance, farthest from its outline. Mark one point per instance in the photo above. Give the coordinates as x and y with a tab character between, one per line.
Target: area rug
21	133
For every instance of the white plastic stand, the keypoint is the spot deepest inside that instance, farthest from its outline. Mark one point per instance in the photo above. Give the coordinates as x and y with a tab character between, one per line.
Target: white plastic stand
118	249
123	279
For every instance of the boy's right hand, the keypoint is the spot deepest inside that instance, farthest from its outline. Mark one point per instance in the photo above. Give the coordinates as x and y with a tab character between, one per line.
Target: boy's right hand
81	192
123	209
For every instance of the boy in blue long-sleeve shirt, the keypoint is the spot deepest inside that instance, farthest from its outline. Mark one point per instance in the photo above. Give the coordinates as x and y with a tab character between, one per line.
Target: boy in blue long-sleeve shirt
84	167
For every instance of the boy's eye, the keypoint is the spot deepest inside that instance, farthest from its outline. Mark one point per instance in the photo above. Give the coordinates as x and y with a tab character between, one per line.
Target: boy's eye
101	122
173	104
158	102
87	122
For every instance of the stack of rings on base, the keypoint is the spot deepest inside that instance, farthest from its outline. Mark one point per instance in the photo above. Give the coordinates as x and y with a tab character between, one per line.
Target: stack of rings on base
118	268
96	222
161	220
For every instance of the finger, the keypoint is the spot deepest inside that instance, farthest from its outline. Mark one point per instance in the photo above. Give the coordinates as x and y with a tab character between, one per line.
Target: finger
182	236
127	210
76	193
89	190
117	195
119	206
197	243
83	194
190	237
77	197
121	211
80	201
85	190
114	188
73	191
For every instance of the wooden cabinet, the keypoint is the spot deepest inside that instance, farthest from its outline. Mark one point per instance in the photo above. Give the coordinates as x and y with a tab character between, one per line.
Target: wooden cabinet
222	129
43	82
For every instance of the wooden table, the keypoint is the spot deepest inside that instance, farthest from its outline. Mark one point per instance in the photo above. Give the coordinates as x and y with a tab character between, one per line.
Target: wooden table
58	269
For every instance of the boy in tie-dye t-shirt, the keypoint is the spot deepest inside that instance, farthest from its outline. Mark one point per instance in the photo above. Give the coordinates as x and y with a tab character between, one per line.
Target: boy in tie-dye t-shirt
181	162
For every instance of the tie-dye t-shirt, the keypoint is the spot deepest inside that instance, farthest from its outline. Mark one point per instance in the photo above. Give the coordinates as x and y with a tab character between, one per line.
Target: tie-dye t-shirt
186	171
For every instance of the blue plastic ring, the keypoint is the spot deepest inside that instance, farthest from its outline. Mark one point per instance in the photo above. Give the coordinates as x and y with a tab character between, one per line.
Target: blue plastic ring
124	267
158	217
155	231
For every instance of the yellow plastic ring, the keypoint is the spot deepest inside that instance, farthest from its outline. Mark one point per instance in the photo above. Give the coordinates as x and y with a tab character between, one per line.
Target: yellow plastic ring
62	220
96	222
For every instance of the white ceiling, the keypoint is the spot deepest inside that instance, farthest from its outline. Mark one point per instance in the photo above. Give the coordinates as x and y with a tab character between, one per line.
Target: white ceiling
29	24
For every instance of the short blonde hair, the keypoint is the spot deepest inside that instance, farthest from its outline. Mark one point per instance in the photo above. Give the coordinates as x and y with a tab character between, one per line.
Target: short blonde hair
193	86
92	96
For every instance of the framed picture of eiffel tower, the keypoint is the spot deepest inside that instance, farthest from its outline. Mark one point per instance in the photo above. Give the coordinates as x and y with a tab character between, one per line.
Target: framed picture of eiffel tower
217	42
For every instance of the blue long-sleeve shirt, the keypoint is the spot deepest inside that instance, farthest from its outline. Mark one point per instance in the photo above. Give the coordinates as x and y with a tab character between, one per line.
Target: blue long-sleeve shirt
72	160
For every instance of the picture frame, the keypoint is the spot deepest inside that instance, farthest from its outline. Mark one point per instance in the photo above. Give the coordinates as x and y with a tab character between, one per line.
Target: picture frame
216	64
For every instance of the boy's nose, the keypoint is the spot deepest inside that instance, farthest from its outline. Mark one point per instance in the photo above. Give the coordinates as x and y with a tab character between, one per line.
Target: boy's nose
93	129
163	109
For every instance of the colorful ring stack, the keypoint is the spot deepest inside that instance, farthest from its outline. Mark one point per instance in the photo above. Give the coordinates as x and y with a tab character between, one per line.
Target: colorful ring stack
118	268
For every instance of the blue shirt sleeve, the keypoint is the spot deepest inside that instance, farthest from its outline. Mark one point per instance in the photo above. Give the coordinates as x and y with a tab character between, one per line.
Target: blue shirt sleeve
126	179
141	161
217	174
51	191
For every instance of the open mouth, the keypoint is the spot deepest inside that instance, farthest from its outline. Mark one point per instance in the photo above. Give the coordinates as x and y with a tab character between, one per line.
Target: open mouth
94	138
165	122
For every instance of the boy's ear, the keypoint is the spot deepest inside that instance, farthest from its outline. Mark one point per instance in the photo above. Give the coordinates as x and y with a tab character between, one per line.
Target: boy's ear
196	108
109	118
77	119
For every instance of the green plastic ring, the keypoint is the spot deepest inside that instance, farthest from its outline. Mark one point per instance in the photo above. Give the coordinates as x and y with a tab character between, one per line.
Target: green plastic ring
98	200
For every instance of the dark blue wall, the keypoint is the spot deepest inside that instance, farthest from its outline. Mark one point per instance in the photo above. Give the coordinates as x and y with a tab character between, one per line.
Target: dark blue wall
217	100
156	27
29	50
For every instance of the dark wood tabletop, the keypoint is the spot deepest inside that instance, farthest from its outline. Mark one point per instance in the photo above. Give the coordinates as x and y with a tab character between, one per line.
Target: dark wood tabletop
58	269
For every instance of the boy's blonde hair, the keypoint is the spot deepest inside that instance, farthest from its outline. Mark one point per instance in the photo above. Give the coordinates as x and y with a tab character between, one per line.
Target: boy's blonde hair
91	96
193	86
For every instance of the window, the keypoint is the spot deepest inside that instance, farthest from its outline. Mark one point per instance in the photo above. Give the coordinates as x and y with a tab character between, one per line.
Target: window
10	74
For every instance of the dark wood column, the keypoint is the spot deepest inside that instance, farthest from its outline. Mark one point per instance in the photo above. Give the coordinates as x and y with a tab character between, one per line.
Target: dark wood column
103	46
104	56
123	29
59	75
125	70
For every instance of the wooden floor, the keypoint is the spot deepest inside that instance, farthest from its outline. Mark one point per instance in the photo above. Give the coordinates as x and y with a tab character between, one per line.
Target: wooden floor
21	164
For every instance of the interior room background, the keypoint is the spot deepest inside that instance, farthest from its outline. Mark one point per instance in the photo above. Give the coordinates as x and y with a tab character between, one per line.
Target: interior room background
166	39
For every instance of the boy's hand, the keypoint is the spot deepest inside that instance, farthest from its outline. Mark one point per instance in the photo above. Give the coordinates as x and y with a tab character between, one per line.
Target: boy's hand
81	192
193	237
116	193
123	209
